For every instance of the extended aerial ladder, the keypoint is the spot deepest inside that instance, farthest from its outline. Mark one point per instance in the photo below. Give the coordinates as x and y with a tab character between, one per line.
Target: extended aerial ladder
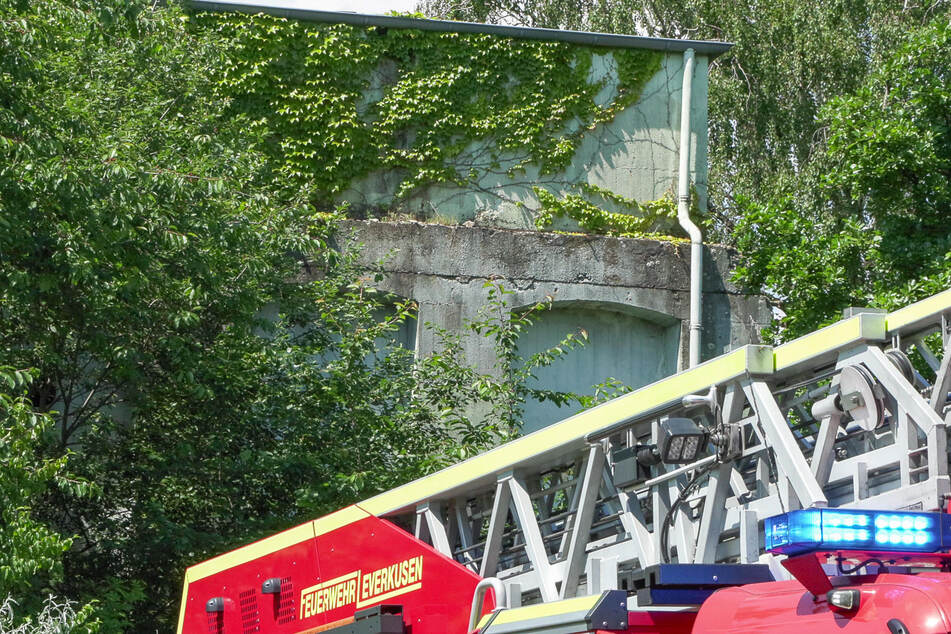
588	512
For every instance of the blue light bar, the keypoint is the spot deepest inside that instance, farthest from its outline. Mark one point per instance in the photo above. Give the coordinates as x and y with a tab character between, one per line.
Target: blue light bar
851	529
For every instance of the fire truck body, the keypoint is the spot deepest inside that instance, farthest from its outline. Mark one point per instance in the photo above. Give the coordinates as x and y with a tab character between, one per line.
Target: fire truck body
322	573
580	521
919	602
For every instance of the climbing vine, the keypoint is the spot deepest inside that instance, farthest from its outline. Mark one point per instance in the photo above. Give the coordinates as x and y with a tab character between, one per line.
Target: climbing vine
636	220
339	103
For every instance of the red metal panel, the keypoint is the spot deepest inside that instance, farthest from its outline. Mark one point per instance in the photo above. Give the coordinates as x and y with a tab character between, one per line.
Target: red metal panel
657	622
326	579
921	602
372	561
247	610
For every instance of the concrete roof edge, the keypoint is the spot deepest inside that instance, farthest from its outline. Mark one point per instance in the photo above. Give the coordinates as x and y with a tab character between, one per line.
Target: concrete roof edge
611	40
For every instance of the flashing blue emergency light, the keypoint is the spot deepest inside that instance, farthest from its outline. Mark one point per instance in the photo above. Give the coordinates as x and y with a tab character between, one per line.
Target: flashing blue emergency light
852	529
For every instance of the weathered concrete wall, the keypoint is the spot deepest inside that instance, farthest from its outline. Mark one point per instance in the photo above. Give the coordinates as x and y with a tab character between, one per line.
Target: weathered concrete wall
631	296
635	156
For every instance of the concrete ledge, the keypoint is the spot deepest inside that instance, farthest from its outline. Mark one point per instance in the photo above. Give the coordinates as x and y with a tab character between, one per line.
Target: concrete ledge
630	296
488	252
444	267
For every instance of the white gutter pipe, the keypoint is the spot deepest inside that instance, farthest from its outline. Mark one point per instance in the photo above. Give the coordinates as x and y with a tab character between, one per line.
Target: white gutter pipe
683	210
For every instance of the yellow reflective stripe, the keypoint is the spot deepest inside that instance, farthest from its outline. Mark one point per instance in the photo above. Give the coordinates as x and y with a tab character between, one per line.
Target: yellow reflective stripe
572	431
919	313
338	519
181	610
251	552
541	610
862	327
264	547
277	542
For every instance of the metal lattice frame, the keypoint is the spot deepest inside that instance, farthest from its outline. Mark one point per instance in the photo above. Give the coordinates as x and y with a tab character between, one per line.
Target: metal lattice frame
545	515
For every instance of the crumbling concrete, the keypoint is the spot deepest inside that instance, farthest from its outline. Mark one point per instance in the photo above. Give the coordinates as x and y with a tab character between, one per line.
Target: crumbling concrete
630	296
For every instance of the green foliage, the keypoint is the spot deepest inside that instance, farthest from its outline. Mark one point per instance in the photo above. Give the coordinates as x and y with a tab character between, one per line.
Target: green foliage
815	218
767	93
890	148
210	358
336	103
134	245
27	547
56	616
789	58
637	221
865	223
815	261
30	551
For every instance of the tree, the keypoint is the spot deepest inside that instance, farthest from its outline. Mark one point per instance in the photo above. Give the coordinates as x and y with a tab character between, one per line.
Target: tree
211	359
890	149
864	224
135	242
30	551
55	617
788	59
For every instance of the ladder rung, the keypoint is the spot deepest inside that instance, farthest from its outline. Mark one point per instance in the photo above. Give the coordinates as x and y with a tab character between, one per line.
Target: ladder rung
554	489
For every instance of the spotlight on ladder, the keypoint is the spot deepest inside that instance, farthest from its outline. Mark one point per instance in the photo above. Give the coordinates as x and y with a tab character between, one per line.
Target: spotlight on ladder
726	438
680	441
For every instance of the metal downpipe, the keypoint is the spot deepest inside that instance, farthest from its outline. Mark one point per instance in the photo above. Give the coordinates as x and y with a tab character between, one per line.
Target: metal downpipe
683	210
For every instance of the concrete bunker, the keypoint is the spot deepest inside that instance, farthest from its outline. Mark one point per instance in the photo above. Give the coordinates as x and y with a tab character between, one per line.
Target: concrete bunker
632	345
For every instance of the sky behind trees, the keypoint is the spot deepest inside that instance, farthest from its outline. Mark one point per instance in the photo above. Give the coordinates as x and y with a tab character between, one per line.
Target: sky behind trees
357	6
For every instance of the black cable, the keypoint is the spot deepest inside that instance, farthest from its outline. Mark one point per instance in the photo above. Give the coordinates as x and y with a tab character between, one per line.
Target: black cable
842	571
672	511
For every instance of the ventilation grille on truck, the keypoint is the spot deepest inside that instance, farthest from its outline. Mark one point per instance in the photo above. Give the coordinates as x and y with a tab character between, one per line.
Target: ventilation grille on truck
250	615
287	606
216	623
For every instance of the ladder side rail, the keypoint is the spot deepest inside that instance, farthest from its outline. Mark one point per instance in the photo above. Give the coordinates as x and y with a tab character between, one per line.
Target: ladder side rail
525	517
541	519
463	531
925	351
789	458
921	317
493	540
570	436
571	520
430	527
592	472
634	523
718	486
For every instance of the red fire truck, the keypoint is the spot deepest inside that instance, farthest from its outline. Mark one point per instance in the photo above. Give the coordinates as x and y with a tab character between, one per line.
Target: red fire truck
788	489
859	571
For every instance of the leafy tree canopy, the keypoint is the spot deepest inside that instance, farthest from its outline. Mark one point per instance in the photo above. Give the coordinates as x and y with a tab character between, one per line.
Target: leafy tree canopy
212	355
864	222
30	552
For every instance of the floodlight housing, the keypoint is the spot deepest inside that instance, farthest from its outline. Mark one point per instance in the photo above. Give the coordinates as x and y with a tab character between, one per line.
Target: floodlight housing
681	440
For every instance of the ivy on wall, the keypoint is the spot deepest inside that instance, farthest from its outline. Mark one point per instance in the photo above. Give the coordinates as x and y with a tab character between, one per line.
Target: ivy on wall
633	220
339	103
